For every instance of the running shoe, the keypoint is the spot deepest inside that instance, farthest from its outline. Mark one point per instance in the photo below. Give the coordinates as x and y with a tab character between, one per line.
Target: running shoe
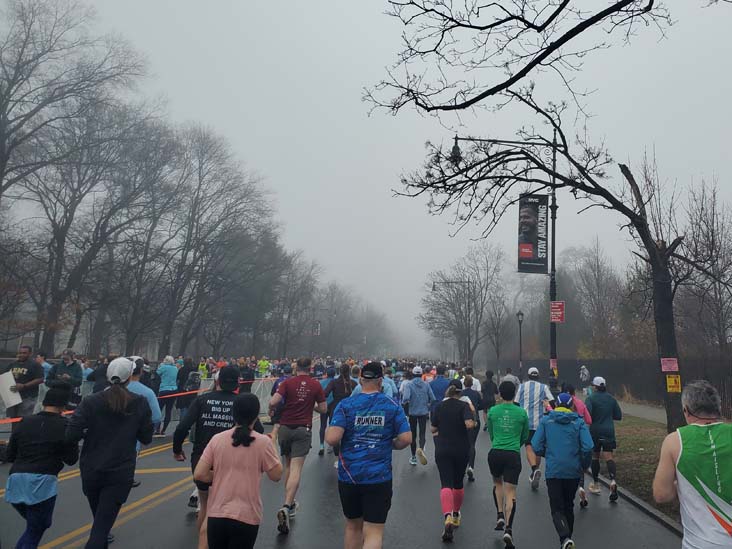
193	501
421	456
594	488
508	539
136	483
568	544
535	478
293	509
321	452
110	538
283	520
471	474
500	524
447	533
413	460
613	492
583	498
456	517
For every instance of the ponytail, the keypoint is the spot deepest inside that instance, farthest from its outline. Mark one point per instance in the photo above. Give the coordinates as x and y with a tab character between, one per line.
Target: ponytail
451	391
242	436
117	398
245	410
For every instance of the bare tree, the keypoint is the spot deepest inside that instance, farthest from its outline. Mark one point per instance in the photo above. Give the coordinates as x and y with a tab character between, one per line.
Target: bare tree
598	290
457	300
497	322
51	71
219	198
86	200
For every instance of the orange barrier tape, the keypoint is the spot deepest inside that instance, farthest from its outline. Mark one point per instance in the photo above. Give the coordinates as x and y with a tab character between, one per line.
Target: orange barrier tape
17	419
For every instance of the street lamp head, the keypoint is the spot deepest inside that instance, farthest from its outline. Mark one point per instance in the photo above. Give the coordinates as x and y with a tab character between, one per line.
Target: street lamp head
456	155
520	317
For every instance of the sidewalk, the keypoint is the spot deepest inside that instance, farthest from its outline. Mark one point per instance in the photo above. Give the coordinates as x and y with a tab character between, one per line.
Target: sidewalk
656	414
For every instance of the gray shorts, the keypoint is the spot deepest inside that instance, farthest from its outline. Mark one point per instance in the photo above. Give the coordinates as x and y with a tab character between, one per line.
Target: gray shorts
295	441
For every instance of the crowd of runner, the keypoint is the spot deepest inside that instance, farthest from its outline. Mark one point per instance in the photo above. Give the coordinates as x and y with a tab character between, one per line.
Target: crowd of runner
366	411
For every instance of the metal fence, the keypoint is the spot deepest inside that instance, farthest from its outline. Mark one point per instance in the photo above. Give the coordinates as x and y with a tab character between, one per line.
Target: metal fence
640	379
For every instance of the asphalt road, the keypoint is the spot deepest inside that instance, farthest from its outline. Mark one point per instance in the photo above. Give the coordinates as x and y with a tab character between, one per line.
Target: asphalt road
156	514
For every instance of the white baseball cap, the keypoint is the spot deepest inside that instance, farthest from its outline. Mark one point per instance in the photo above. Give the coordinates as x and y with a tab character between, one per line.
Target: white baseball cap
417	371
599	381
120	370
533	371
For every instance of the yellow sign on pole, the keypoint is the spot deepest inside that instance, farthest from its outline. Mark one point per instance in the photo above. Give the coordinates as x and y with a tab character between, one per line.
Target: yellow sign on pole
673	383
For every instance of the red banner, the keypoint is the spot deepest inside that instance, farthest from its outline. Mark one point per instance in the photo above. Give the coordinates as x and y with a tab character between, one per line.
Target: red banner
556	312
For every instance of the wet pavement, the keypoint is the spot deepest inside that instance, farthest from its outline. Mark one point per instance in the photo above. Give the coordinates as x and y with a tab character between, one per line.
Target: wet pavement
156	514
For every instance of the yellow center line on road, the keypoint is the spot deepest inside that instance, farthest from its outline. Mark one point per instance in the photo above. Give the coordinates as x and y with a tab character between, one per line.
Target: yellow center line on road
179	486
163	470
130	516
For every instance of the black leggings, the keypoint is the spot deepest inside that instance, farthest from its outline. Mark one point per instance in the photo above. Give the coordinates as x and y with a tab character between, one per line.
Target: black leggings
323	426
451	464
561	502
168	404
105	501
473	438
420	421
224	533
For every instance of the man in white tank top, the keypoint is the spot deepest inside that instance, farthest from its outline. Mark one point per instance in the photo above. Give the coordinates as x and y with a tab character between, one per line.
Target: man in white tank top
695	467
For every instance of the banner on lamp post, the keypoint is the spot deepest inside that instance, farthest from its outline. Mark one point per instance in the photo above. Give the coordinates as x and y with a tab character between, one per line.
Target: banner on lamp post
533	233
556	312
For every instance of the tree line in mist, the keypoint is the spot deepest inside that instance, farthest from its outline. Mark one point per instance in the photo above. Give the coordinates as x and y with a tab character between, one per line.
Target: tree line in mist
121	231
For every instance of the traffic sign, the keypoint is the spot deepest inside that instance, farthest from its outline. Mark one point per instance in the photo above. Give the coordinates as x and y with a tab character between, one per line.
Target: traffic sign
556	312
673	383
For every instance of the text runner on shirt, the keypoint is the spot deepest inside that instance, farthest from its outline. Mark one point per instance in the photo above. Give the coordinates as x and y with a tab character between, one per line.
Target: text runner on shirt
367	426
302	395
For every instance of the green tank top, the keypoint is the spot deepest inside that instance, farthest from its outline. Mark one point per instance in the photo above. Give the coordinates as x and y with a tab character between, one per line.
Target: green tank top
704	476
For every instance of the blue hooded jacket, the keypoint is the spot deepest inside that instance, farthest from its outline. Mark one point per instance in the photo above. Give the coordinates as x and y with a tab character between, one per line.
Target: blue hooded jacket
564	440
420	397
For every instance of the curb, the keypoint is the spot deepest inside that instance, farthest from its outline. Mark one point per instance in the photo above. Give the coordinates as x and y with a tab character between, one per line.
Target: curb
652	512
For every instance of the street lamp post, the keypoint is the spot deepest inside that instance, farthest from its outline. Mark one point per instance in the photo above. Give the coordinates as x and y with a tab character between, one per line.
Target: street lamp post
468	338
456	157
520	318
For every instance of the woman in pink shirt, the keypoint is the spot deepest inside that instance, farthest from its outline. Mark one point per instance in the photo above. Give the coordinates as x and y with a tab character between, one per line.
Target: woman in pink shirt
233	462
582	412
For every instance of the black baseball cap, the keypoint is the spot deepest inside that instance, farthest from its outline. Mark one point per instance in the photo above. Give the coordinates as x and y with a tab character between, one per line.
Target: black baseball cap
457	384
228	378
372	370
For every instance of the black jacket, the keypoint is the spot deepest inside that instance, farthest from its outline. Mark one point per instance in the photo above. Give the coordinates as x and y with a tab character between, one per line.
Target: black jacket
211	414
38	445
99	377
110	439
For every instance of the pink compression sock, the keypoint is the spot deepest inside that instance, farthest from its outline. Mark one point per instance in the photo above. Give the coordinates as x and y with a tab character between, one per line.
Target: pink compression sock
457	499
446	500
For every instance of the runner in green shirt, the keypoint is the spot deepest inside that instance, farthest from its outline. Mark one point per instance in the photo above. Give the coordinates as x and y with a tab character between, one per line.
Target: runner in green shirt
508	427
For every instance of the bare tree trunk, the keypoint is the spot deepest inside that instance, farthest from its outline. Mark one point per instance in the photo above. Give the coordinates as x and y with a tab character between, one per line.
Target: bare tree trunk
663	313
78	317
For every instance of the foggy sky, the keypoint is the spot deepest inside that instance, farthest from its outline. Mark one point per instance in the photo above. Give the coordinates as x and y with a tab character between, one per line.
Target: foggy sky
283	82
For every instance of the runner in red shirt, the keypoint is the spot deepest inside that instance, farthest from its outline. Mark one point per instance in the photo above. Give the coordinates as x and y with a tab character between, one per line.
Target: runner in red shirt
302	395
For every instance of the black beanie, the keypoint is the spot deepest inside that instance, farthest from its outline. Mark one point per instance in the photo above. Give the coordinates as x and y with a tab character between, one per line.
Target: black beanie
58	395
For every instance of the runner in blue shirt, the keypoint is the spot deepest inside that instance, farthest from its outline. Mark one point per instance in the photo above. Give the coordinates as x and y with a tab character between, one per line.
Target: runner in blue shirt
368	427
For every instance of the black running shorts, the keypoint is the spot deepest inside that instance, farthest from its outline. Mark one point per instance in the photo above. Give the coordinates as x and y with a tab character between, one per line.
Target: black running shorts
604	444
506	464
202	486
371	502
